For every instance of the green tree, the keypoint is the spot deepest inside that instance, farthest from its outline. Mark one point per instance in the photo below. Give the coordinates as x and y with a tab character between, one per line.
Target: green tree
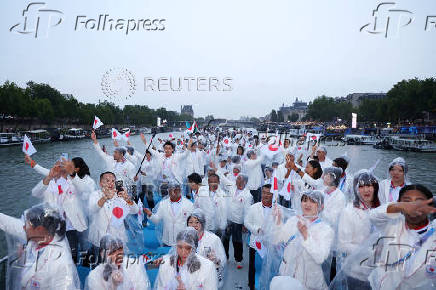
274	116
280	117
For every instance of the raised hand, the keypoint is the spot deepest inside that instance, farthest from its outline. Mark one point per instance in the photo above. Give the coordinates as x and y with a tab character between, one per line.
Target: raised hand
94	137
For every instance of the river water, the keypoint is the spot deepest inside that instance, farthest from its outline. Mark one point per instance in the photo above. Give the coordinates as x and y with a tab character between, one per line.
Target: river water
17	178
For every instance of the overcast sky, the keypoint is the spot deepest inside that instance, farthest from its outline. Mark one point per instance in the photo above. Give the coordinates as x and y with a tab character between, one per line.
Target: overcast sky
274	51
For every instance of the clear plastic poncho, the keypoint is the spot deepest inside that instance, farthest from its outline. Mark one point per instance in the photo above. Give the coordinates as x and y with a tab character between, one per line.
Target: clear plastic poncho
117	271
210	247
289	253
39	255
195	273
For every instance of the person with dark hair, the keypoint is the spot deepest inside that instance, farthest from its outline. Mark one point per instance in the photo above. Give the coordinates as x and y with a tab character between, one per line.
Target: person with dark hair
209	244
58	190
194	162
306	240
346	182
406	223
253	168
117	270
169	164
183	268
334	198
200	197
76	167
122	168
173	212
216	222
311	177
240	151
397	179
255	221
321	156
43	260
239	202
148	176
108	209
354	225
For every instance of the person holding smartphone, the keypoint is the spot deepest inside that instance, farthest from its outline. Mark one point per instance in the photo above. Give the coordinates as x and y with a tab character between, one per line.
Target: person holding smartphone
108	208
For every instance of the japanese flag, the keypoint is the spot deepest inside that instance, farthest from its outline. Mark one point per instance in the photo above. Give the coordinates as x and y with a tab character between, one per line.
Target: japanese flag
97	123
126	135
28	146
288	189
115	134
271	149
260	247
226	141
119	212
275	185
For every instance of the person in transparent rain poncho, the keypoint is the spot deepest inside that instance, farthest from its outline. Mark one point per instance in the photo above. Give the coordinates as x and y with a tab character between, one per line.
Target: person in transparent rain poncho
300	243
355	226
395	181
109	208
117	271
58	190
400	252
209	244
39	254
183	269
334	198
170	214
346	181
122	168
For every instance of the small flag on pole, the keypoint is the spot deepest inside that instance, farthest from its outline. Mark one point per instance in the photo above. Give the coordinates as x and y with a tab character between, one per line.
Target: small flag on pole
28	146
97	123
115	134
126	135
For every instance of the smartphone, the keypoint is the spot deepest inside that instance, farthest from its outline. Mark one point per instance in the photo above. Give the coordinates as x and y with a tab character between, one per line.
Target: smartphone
119	185
63	156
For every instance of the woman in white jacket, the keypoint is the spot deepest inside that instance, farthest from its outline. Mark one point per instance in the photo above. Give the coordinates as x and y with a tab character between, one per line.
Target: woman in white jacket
183	268
355	225
306	241
118	271
209	244
334	198
397	179
43	259
78	172
58	190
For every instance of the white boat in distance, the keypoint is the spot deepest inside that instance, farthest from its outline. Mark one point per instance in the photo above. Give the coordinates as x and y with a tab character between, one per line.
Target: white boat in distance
74	133
415	144
9	139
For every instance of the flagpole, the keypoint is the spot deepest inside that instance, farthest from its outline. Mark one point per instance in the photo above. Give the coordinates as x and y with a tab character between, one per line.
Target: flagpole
145	154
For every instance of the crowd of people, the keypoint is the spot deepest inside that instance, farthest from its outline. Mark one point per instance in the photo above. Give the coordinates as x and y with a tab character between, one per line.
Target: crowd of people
308	222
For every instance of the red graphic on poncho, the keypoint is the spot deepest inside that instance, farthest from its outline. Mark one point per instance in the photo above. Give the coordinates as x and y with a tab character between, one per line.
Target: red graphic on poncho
117	212
273	147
